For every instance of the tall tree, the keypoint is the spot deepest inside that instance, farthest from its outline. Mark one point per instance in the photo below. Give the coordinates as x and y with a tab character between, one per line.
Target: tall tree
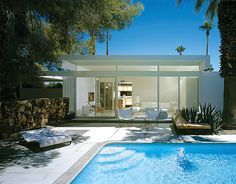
225	10
32	33
107	16
121	17
207	26
180	49
35	32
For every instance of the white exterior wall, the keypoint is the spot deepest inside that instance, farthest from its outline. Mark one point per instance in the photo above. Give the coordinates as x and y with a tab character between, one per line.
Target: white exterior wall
69	91
211	89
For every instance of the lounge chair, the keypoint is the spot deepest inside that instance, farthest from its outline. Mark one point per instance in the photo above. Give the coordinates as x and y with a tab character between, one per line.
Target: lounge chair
43	139
125	116
183	128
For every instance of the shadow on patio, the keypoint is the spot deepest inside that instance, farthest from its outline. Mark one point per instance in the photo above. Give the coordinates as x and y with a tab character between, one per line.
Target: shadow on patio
16	155
156	134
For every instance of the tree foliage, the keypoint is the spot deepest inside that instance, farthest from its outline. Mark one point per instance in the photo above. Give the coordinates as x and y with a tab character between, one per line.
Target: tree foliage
180	49
33	32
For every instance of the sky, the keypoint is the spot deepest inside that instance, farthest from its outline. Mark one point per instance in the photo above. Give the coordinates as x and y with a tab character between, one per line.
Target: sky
161	28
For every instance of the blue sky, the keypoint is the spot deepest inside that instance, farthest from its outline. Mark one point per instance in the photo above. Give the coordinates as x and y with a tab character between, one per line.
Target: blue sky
162	27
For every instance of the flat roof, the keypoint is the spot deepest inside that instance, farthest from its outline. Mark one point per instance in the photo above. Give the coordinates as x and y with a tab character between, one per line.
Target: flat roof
137	59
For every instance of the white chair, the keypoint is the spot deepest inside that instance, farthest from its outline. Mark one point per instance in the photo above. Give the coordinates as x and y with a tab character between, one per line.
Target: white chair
151	116
125	116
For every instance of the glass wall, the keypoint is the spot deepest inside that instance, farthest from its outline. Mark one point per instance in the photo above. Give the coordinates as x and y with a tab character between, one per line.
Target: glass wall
168	89
178	68
188	92
105	97
95	97
138	92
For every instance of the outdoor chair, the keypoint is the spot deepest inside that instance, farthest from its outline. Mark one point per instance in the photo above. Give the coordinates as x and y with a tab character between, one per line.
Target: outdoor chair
125	116
151	117
43	139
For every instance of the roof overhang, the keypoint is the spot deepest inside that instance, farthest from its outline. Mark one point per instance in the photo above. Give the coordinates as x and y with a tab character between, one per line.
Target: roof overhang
138	60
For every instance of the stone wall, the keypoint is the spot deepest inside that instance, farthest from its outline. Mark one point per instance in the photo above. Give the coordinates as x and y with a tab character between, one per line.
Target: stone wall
30	114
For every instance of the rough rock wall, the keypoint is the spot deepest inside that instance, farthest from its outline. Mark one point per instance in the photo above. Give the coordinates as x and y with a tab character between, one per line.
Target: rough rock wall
30	114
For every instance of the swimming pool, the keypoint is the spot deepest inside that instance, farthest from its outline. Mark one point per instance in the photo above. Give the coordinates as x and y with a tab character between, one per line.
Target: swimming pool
164	163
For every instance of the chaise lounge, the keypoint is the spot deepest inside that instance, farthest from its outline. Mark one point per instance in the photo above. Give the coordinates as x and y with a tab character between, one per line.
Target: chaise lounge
43	139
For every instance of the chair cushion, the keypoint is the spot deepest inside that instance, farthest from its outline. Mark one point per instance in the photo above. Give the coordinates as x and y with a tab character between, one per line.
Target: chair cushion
125	114
163	114
152	114
45	137
182	124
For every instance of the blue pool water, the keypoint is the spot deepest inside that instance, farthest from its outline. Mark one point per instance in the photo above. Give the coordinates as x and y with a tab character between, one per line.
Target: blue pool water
161	163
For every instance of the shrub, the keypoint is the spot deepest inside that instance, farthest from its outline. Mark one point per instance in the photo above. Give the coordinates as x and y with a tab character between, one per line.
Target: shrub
204	114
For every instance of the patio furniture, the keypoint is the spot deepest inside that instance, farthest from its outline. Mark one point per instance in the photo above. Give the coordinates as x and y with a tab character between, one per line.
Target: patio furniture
151	116
44	138
163	114
125	116
184	128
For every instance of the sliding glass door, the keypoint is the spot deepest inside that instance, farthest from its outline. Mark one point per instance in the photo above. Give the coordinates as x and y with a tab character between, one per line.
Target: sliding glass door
105	97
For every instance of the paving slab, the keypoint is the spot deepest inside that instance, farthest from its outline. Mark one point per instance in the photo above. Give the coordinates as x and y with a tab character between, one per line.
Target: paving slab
20	165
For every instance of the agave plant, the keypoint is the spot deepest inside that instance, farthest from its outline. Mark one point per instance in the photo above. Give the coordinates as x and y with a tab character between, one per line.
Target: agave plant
211	115
204	114
190	115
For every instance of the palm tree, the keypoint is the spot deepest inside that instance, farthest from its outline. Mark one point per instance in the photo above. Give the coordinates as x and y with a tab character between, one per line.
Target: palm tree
207	26
225	10
180	49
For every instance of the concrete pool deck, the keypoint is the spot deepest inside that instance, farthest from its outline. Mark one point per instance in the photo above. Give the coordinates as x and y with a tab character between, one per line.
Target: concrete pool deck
19	165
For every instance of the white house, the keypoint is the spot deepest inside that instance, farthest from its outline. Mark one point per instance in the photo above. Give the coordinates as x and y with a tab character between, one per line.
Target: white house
97	85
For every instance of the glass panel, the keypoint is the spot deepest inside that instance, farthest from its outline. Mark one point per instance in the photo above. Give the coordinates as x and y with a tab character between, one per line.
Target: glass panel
188	92
95	68
168	93
105	97
85	93
137	68
138	92
178	68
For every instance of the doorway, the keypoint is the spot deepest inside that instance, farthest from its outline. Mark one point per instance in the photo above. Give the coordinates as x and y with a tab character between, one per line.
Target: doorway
106	95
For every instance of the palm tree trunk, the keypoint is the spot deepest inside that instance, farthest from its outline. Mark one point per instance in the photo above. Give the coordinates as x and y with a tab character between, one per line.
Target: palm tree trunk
207	42
229	113
227	27
92	48
107	42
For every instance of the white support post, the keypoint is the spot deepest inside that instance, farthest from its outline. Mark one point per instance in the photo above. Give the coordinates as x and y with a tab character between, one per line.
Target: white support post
158	90
158	93
116	93
178	92
95	95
